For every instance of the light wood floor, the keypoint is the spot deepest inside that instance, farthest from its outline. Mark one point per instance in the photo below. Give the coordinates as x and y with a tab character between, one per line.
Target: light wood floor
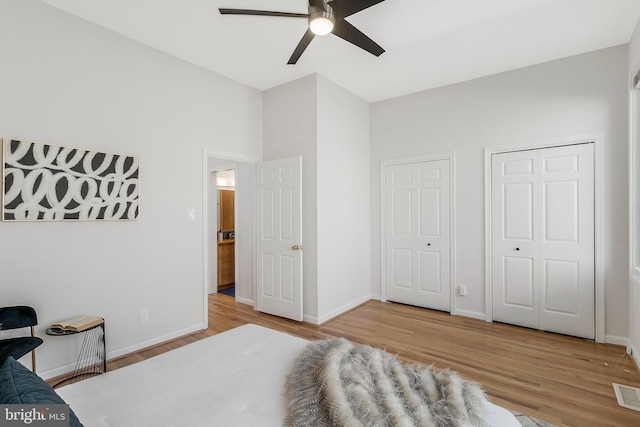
560	379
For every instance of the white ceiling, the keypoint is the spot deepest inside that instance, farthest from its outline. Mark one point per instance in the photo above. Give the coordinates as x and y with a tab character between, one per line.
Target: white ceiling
428	43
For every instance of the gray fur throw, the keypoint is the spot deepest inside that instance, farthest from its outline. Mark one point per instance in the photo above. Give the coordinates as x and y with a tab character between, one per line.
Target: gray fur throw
336	383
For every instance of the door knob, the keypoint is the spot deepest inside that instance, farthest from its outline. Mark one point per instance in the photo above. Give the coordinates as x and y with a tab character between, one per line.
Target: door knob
296	247
517	249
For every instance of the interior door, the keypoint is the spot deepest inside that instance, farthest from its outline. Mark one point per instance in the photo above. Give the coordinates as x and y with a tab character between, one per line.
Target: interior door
279	237
543	239
417	234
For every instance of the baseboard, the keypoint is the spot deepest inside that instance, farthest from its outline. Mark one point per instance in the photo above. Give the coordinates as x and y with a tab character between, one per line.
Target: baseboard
471	314
154	341
612	339
310	319
338	311
69	367
246	301
58	371
635	355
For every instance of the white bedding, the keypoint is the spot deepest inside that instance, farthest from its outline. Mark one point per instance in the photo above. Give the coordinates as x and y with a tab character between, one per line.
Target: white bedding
231	379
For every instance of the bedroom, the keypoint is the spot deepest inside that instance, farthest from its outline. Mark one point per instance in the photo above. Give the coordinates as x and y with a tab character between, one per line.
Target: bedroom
69	82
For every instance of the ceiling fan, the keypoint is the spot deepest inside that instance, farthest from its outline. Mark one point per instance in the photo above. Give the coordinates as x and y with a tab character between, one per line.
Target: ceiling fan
325	16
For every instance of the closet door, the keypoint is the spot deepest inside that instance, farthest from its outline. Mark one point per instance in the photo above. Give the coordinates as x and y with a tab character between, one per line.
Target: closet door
543	239
567	293
515	211
417	234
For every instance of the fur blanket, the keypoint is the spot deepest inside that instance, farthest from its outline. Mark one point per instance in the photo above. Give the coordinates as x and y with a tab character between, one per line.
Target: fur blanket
335	383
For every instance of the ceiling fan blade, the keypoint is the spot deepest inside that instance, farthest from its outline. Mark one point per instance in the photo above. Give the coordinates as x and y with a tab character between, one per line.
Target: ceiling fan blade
224	11
304	42
344	8
348	32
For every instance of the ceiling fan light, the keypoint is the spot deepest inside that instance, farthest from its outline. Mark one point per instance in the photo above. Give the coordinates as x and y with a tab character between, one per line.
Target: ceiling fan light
321	26
321	21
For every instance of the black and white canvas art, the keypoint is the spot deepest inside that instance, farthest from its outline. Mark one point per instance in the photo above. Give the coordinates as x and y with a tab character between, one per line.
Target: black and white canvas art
42	182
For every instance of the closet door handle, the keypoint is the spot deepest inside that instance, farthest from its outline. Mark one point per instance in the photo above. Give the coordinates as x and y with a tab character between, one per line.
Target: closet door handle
517	249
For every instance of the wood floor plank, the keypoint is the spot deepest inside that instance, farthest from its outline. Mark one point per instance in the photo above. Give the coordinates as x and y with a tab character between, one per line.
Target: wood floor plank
560	379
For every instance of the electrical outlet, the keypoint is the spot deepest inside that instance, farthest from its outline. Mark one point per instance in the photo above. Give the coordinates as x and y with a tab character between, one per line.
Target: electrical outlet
463	291
144	315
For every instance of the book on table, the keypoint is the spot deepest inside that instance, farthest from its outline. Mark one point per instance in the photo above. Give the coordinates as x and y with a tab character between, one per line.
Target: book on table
77	324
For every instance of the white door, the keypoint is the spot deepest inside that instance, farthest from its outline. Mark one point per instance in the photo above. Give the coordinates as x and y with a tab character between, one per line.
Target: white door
417	234
542	208
279	234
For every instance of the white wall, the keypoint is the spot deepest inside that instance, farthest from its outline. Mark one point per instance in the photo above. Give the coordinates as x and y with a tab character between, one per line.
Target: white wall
585	94
634	279
290	129
245	232
329	128
67	82
344	266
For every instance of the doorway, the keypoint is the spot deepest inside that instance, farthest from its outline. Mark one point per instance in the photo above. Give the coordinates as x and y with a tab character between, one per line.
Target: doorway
225	194
243	228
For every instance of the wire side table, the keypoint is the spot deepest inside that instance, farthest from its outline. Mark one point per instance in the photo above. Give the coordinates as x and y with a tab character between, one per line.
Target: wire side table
92	358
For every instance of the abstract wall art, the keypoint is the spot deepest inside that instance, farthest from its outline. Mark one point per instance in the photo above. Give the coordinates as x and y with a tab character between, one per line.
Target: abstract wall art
42	182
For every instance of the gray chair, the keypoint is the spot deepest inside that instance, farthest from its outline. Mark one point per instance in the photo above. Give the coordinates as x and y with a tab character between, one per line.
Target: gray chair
17	317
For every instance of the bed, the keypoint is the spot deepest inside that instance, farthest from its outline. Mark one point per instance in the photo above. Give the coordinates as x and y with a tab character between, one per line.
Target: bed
235	378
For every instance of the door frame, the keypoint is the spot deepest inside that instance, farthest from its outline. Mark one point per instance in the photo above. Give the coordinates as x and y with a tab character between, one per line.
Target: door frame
598	182
206	218
451	157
